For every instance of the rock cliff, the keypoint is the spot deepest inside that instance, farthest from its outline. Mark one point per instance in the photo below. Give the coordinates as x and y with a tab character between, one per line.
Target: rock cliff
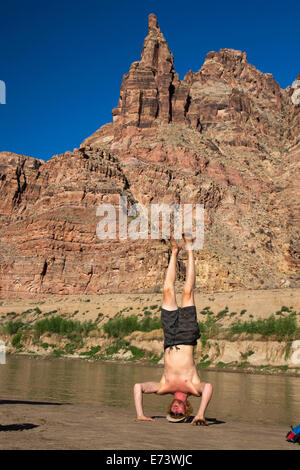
227	137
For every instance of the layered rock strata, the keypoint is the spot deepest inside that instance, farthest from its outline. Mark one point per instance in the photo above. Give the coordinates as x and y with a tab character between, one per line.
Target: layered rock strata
227	137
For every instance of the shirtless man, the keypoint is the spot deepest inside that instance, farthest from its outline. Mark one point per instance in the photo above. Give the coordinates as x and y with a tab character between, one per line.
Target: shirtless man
181	331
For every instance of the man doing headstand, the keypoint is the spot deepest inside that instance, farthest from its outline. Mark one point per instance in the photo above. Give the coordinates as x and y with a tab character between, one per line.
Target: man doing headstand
181	332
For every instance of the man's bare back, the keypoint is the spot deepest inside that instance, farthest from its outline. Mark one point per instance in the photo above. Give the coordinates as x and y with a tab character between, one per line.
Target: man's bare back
180	376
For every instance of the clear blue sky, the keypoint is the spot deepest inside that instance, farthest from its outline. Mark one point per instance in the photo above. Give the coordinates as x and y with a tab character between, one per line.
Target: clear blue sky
63	61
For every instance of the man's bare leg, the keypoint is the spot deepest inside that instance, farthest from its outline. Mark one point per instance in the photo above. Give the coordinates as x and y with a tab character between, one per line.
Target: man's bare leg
188	288
169	296
188	300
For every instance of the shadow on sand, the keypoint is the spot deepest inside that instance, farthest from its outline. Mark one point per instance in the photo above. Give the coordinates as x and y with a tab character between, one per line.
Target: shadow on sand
24	426
211	421
17	427
26	402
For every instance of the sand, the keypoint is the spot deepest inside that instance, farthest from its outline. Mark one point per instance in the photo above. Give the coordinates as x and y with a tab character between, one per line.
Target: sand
60	426
259	303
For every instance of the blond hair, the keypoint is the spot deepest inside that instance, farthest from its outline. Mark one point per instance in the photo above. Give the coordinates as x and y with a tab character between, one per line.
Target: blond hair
187	405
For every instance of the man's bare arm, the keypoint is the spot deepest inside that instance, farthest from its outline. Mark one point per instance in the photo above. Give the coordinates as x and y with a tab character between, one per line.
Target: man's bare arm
138	390
206	390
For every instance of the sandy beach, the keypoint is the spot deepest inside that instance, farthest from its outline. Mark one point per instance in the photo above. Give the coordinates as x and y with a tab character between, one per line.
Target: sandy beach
259	303
45	425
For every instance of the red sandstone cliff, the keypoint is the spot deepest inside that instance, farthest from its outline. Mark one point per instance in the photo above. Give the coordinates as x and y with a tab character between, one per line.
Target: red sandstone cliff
226	136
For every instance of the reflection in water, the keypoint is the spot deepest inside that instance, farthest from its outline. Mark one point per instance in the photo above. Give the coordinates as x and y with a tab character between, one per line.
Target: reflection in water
237	396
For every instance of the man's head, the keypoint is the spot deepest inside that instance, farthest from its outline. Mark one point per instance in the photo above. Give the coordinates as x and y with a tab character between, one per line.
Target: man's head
178	410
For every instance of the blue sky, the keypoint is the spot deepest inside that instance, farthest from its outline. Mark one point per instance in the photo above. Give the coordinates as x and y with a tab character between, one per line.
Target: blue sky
63	61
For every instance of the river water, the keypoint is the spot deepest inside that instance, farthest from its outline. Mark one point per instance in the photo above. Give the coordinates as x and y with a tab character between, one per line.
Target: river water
237	396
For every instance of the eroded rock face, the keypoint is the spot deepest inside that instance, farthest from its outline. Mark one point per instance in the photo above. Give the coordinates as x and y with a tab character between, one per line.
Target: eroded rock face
48	227
147	89
226	137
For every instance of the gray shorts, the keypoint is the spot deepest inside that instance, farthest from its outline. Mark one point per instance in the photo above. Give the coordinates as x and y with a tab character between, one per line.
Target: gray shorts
180	326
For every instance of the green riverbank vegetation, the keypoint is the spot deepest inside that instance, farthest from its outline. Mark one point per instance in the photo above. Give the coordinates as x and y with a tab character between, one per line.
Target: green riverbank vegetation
129	337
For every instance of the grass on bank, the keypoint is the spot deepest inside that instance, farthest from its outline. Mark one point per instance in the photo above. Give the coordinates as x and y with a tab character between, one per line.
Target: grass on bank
63	327
281	326
123	326
74	331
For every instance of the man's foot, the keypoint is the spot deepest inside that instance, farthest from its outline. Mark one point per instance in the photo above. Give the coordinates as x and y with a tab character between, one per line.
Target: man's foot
174	245
188	240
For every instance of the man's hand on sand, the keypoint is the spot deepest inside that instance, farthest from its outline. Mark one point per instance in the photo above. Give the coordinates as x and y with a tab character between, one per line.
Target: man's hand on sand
198	421
144	418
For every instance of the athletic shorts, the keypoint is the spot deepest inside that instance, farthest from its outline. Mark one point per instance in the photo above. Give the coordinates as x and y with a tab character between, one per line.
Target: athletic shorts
180	326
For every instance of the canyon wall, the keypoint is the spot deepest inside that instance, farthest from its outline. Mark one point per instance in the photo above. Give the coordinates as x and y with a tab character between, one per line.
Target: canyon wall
227	137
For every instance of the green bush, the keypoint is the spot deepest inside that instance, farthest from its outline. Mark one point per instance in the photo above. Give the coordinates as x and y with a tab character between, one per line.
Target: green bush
57	352
49	313
16	341
116	346
119	327
222	313
123	326
154	358
206	311
221	365
70	348
95	350
149	324
62	326
137	353
246	354
92	351
209	327
204	361
12	327
281	327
